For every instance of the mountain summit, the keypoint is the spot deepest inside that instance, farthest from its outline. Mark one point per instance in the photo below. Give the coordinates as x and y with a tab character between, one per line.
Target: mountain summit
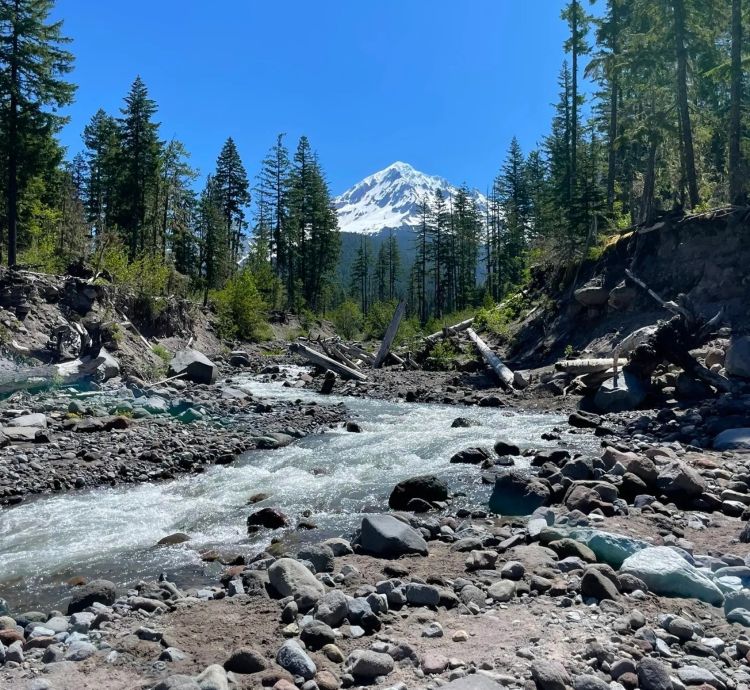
389	200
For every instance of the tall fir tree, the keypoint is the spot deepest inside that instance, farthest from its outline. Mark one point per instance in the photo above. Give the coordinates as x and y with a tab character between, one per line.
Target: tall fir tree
233	193
33	64
139	153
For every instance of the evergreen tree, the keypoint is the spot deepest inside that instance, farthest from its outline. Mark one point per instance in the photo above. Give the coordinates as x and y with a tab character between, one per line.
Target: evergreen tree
273	185
33	64
515	202
683	108
420	264
394	264
312	239
139	155
175	197
101	140
736	168
232	188
212	231
438	249
576	45
381	273
467	231
360	278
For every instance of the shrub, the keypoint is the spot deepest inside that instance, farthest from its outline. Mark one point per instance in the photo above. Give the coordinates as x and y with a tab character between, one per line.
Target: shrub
241	309
443	355
162	352
348	319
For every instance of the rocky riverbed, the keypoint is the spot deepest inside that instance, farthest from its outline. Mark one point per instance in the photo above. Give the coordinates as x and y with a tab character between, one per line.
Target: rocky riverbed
608	552
73	439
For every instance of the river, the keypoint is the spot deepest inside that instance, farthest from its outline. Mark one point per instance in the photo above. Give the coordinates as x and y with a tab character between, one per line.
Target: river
337	476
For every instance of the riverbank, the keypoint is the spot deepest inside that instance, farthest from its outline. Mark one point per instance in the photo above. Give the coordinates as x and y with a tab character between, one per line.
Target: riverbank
70	438
497	601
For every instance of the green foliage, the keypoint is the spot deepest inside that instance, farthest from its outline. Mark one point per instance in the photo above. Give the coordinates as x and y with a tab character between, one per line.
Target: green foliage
443	354
162	353
348	319
241	309
146	276
568	352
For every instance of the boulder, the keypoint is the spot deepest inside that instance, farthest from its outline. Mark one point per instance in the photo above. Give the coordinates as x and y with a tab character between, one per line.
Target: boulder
678	480
584	420
317	634
591	295
366	664
194	366
621	393
666	572
332	608
653	675
292	579
239	358
471	456
690	388
596	585
245	660
737	362
608	547
549	675
178	681
517	494
622	296
35	419
291	657
271	518
503	447
94	592
586	499
733	439
427	487
387	537
320	555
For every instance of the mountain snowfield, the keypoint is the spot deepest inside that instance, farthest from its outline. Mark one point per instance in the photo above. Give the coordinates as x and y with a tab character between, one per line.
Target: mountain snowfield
389	200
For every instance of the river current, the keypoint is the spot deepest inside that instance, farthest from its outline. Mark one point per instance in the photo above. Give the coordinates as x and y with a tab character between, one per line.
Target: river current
337	476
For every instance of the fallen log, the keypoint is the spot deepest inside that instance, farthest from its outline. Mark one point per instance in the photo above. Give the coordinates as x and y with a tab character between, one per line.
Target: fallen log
358	352
584	366
504	375
341	357
390	334
325	362
449	330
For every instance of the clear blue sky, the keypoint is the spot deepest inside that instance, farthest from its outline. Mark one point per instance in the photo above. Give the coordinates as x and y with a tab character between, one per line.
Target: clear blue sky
440	84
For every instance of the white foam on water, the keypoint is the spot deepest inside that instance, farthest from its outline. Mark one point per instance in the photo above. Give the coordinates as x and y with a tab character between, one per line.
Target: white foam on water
336	476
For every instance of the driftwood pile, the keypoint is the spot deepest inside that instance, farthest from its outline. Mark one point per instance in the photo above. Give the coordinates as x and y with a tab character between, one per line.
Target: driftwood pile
623	385
347	360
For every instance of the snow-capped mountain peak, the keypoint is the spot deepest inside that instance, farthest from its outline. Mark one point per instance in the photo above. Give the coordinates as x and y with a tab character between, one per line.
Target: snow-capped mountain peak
389	199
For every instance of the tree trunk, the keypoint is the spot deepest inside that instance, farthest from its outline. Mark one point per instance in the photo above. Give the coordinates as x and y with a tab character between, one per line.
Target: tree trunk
612	134
736	194
647	200
13	144
504	375
682	102
574	105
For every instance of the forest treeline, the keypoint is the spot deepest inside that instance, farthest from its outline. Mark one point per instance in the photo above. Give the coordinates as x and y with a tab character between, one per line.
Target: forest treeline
661	127
651	117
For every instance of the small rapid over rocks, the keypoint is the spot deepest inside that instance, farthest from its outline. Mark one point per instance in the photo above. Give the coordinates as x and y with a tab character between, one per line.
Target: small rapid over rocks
330	480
